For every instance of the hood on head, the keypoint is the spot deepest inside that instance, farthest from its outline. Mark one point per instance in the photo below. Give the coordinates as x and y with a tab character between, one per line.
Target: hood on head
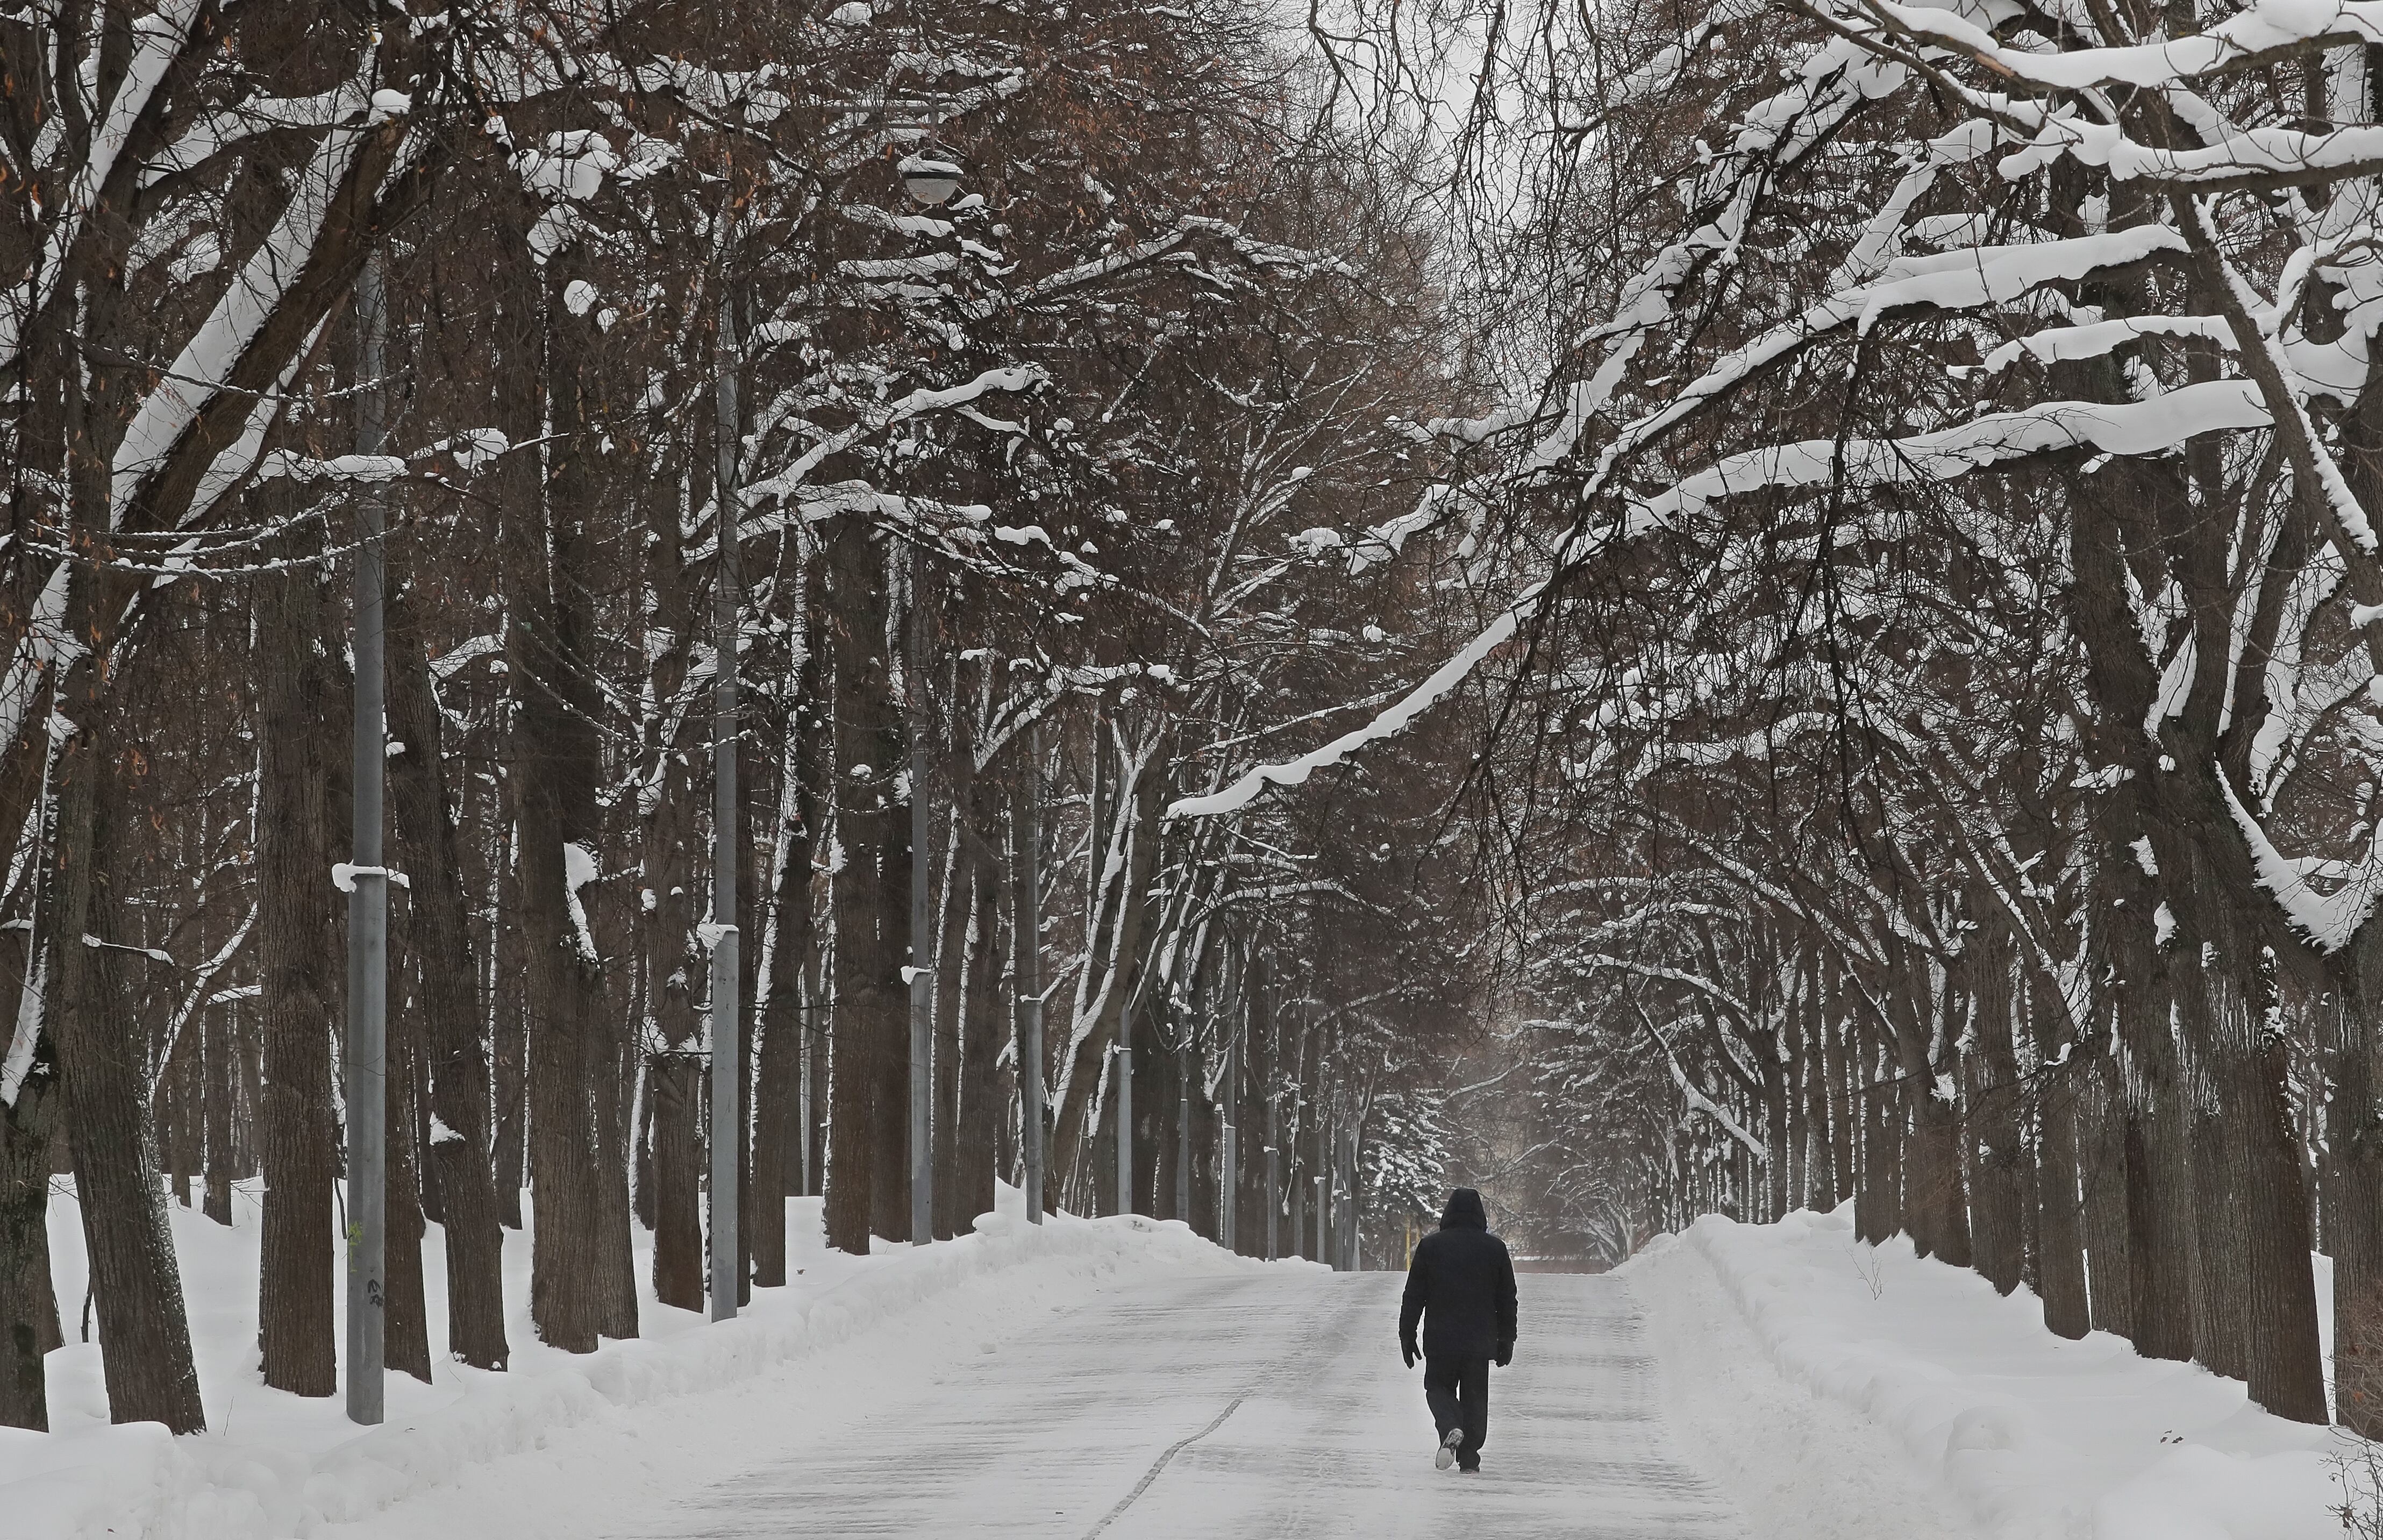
1464	1208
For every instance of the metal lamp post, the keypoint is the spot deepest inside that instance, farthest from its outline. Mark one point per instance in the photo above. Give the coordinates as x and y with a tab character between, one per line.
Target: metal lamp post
1183	1073
1229	1154
921	971
1027	940
930	182
365	1085
1273	1171
1125	1125
727	1097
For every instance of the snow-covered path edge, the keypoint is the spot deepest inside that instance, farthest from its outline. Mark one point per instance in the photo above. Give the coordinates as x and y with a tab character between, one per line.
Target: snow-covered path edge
220	1485
1801	1467
2027	1435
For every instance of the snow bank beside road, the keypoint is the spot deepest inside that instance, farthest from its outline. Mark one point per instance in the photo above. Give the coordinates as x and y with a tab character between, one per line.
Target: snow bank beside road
2041	1439
274	1465
1798	1465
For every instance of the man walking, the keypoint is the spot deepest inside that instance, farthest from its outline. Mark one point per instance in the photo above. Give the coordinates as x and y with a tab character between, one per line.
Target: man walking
1461	1286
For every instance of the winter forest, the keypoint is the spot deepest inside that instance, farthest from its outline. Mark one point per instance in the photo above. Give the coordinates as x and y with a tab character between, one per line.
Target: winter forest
1220	612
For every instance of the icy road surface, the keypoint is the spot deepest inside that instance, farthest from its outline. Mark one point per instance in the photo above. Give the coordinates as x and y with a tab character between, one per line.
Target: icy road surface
1248	1406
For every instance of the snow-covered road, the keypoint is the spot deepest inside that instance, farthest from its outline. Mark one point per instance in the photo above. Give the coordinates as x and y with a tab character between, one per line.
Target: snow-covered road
1254	1405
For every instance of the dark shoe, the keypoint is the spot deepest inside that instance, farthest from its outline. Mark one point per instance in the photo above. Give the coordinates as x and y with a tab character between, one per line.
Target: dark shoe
1472	1470
1446	1456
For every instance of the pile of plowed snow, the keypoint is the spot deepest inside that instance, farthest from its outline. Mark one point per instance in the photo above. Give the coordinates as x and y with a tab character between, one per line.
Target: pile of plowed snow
2022	1432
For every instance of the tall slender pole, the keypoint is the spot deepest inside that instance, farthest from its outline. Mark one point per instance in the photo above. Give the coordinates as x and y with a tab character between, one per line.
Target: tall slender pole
1229	1154
921	973
803	1095
1349	1201
1125	1122
727	1113
1323	1208
1187	1063
1273	1171
1027	938
1332	1168
366	1088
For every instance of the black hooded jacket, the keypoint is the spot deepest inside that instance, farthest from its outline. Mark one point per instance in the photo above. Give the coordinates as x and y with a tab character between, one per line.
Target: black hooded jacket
1460	1285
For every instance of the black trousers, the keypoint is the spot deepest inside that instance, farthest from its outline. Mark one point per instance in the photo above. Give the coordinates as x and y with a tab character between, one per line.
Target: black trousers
1457	1390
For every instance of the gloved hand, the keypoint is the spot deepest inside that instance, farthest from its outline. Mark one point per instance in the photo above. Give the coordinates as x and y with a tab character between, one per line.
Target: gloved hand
1407	1347
1505	1354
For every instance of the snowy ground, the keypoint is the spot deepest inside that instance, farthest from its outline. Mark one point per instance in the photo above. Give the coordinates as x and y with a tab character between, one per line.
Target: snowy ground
1915	1382
557	1425
1122	1378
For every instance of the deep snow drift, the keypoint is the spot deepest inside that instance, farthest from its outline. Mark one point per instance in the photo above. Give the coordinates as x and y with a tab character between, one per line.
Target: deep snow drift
2019	1433
273	1464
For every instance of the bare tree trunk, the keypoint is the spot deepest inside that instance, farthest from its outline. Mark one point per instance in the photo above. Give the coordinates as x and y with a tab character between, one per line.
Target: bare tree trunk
890	1094
1936	1210
1878	1208
2282	1362
1188	1093
2159	1164
2354	1142
778	1115
955	912
670	1191
222	1054
871	902
1070	1137
614	1063
555	768
1796	1171
438	929
675	1087
1774	1124
780	1119
558	990
176	1093
1153	1106
2060	1228
641	1184
1872	1222
1256	1069
2220	1279
405	1339
2131	982
1821	1188
298	950
144	1335
28	1307
985	1027
424	1131
1295	1206
1206	1159
750	783
1844	1076
816	980
2102	1172
2002	1173
509	1020
1167	1108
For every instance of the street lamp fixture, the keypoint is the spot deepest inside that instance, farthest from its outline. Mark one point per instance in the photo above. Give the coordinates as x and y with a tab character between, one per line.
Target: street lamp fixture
931	181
